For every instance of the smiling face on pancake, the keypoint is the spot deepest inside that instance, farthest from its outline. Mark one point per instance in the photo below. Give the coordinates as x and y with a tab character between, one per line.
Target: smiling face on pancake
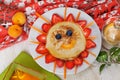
65	40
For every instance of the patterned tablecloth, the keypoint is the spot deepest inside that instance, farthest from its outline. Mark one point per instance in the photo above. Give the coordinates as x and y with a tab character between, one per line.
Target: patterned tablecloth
99	10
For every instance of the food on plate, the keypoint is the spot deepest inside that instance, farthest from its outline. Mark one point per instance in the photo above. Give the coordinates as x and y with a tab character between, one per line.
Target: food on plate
15	31
65	40
19	18
20	75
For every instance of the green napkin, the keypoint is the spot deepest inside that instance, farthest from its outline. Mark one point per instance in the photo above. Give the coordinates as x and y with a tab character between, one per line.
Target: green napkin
27	61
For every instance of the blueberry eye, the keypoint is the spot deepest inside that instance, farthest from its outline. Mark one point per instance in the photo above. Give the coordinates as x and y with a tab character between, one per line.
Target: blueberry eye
58	36
69	33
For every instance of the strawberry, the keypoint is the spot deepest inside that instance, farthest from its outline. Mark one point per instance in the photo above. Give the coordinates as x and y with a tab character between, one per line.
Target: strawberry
82	23
87	32
46	27
41	49
90	44
70	18
41	38
84	54
56	18
49	58
60	63
3	32
70	64
78	61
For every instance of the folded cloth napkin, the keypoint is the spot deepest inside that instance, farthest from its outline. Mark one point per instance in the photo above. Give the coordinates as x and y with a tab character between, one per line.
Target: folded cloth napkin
99	10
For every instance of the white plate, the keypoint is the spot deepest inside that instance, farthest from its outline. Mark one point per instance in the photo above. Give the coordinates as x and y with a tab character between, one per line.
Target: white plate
38	23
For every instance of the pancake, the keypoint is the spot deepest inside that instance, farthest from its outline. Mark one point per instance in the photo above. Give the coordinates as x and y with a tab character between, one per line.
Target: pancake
66	47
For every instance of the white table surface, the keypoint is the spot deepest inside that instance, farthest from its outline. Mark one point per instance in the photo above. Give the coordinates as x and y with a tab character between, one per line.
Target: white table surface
91	73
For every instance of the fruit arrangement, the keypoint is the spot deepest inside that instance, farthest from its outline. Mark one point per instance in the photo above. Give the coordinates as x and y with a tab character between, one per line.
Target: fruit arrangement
67	30
13	25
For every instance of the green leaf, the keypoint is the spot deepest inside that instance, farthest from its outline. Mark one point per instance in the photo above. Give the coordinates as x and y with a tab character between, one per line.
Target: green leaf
115	54
102	67
102	57
113	49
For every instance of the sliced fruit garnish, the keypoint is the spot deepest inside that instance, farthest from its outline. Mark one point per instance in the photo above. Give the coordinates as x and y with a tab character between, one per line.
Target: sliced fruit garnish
70	64
87	32
70	18
56	18
90	44
84	54
42	38
78	61
82	23
49	58
46	27
41	49
70	45
60	63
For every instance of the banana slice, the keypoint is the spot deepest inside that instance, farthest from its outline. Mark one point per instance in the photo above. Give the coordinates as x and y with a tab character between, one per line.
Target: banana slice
65	40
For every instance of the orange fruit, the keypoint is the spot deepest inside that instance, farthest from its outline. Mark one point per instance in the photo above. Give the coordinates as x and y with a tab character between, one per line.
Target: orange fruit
19	18
15	31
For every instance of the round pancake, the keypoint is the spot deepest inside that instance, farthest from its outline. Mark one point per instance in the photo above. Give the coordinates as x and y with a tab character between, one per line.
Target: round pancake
68	47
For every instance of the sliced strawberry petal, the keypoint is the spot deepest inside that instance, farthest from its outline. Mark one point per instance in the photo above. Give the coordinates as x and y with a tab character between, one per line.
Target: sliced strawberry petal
46	27
56	18
41	38
49	58
87	32
60	63
70	18
78	61
70	64
84	54
41	49
82	23
90	44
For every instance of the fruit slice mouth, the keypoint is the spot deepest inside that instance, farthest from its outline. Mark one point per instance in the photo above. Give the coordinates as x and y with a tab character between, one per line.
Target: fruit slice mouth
70	45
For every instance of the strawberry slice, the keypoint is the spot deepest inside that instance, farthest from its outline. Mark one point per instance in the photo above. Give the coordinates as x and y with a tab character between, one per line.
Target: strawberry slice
49	58
90	44
84	54
3	32
41	49
87	32
56	18
60	63
46	27
70	64
70	18
78	61
41	38
82	23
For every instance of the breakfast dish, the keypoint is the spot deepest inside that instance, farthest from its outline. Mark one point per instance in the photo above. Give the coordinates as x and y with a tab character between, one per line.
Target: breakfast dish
64	41
65	47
